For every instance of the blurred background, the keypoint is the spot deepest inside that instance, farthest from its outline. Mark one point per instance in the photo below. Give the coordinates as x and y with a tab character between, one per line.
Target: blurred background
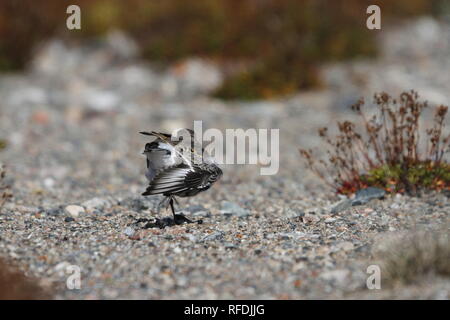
265	48
73	101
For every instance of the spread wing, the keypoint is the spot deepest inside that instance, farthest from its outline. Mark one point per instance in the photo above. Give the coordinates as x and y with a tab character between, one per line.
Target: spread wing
179	179
161	154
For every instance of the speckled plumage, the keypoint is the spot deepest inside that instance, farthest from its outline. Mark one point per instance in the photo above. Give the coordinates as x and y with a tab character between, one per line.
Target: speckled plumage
173	173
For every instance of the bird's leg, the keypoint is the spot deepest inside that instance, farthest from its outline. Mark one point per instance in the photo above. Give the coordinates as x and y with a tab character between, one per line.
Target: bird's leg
171	206
177	218
160	204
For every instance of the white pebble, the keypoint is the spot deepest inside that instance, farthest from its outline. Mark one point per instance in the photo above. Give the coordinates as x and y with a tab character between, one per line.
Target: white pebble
74	210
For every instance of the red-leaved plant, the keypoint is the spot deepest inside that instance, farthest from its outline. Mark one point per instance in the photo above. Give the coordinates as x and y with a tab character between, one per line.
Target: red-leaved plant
390	154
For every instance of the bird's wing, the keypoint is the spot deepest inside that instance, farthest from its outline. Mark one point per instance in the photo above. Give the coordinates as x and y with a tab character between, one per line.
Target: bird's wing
178	179
163	152
161	155
168	181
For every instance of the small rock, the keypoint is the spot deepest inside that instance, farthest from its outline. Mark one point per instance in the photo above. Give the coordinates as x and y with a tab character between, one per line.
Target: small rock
53	212
285	235
341	206
177	250
197	211
395	206
95	203
190	237
330	220
137	204
49	183
202	214
101	100
74	210
365	195
69	219
311	218
136	236
294	213
369	210
213	236
230	246
233	209
195	208
129	231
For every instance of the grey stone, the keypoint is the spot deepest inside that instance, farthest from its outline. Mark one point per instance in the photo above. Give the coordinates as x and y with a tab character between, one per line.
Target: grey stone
53	212
365	195
230	246
95	203
213	236
194	209
137	204
129	231
294	213
74	210
341	206
233	209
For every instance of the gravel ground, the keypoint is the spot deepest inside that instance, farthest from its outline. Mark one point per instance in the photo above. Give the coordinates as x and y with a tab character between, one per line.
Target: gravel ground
73	159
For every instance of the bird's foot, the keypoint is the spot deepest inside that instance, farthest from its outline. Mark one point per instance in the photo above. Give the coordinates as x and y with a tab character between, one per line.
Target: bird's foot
139	221
180	219
159	223
177	219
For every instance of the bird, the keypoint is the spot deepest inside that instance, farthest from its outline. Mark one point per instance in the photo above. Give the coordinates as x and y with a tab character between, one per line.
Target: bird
173	174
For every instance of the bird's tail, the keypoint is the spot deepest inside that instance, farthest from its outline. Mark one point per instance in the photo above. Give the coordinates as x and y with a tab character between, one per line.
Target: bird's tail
160	135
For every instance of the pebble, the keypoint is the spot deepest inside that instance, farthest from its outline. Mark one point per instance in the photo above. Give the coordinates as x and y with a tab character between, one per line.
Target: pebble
213	236
74	210
49	182
233	209
129	231
190	237
365	195
311	218
341	206
330	220
293	213
177	250
137	204
395	206
95	204
53	212
230	246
